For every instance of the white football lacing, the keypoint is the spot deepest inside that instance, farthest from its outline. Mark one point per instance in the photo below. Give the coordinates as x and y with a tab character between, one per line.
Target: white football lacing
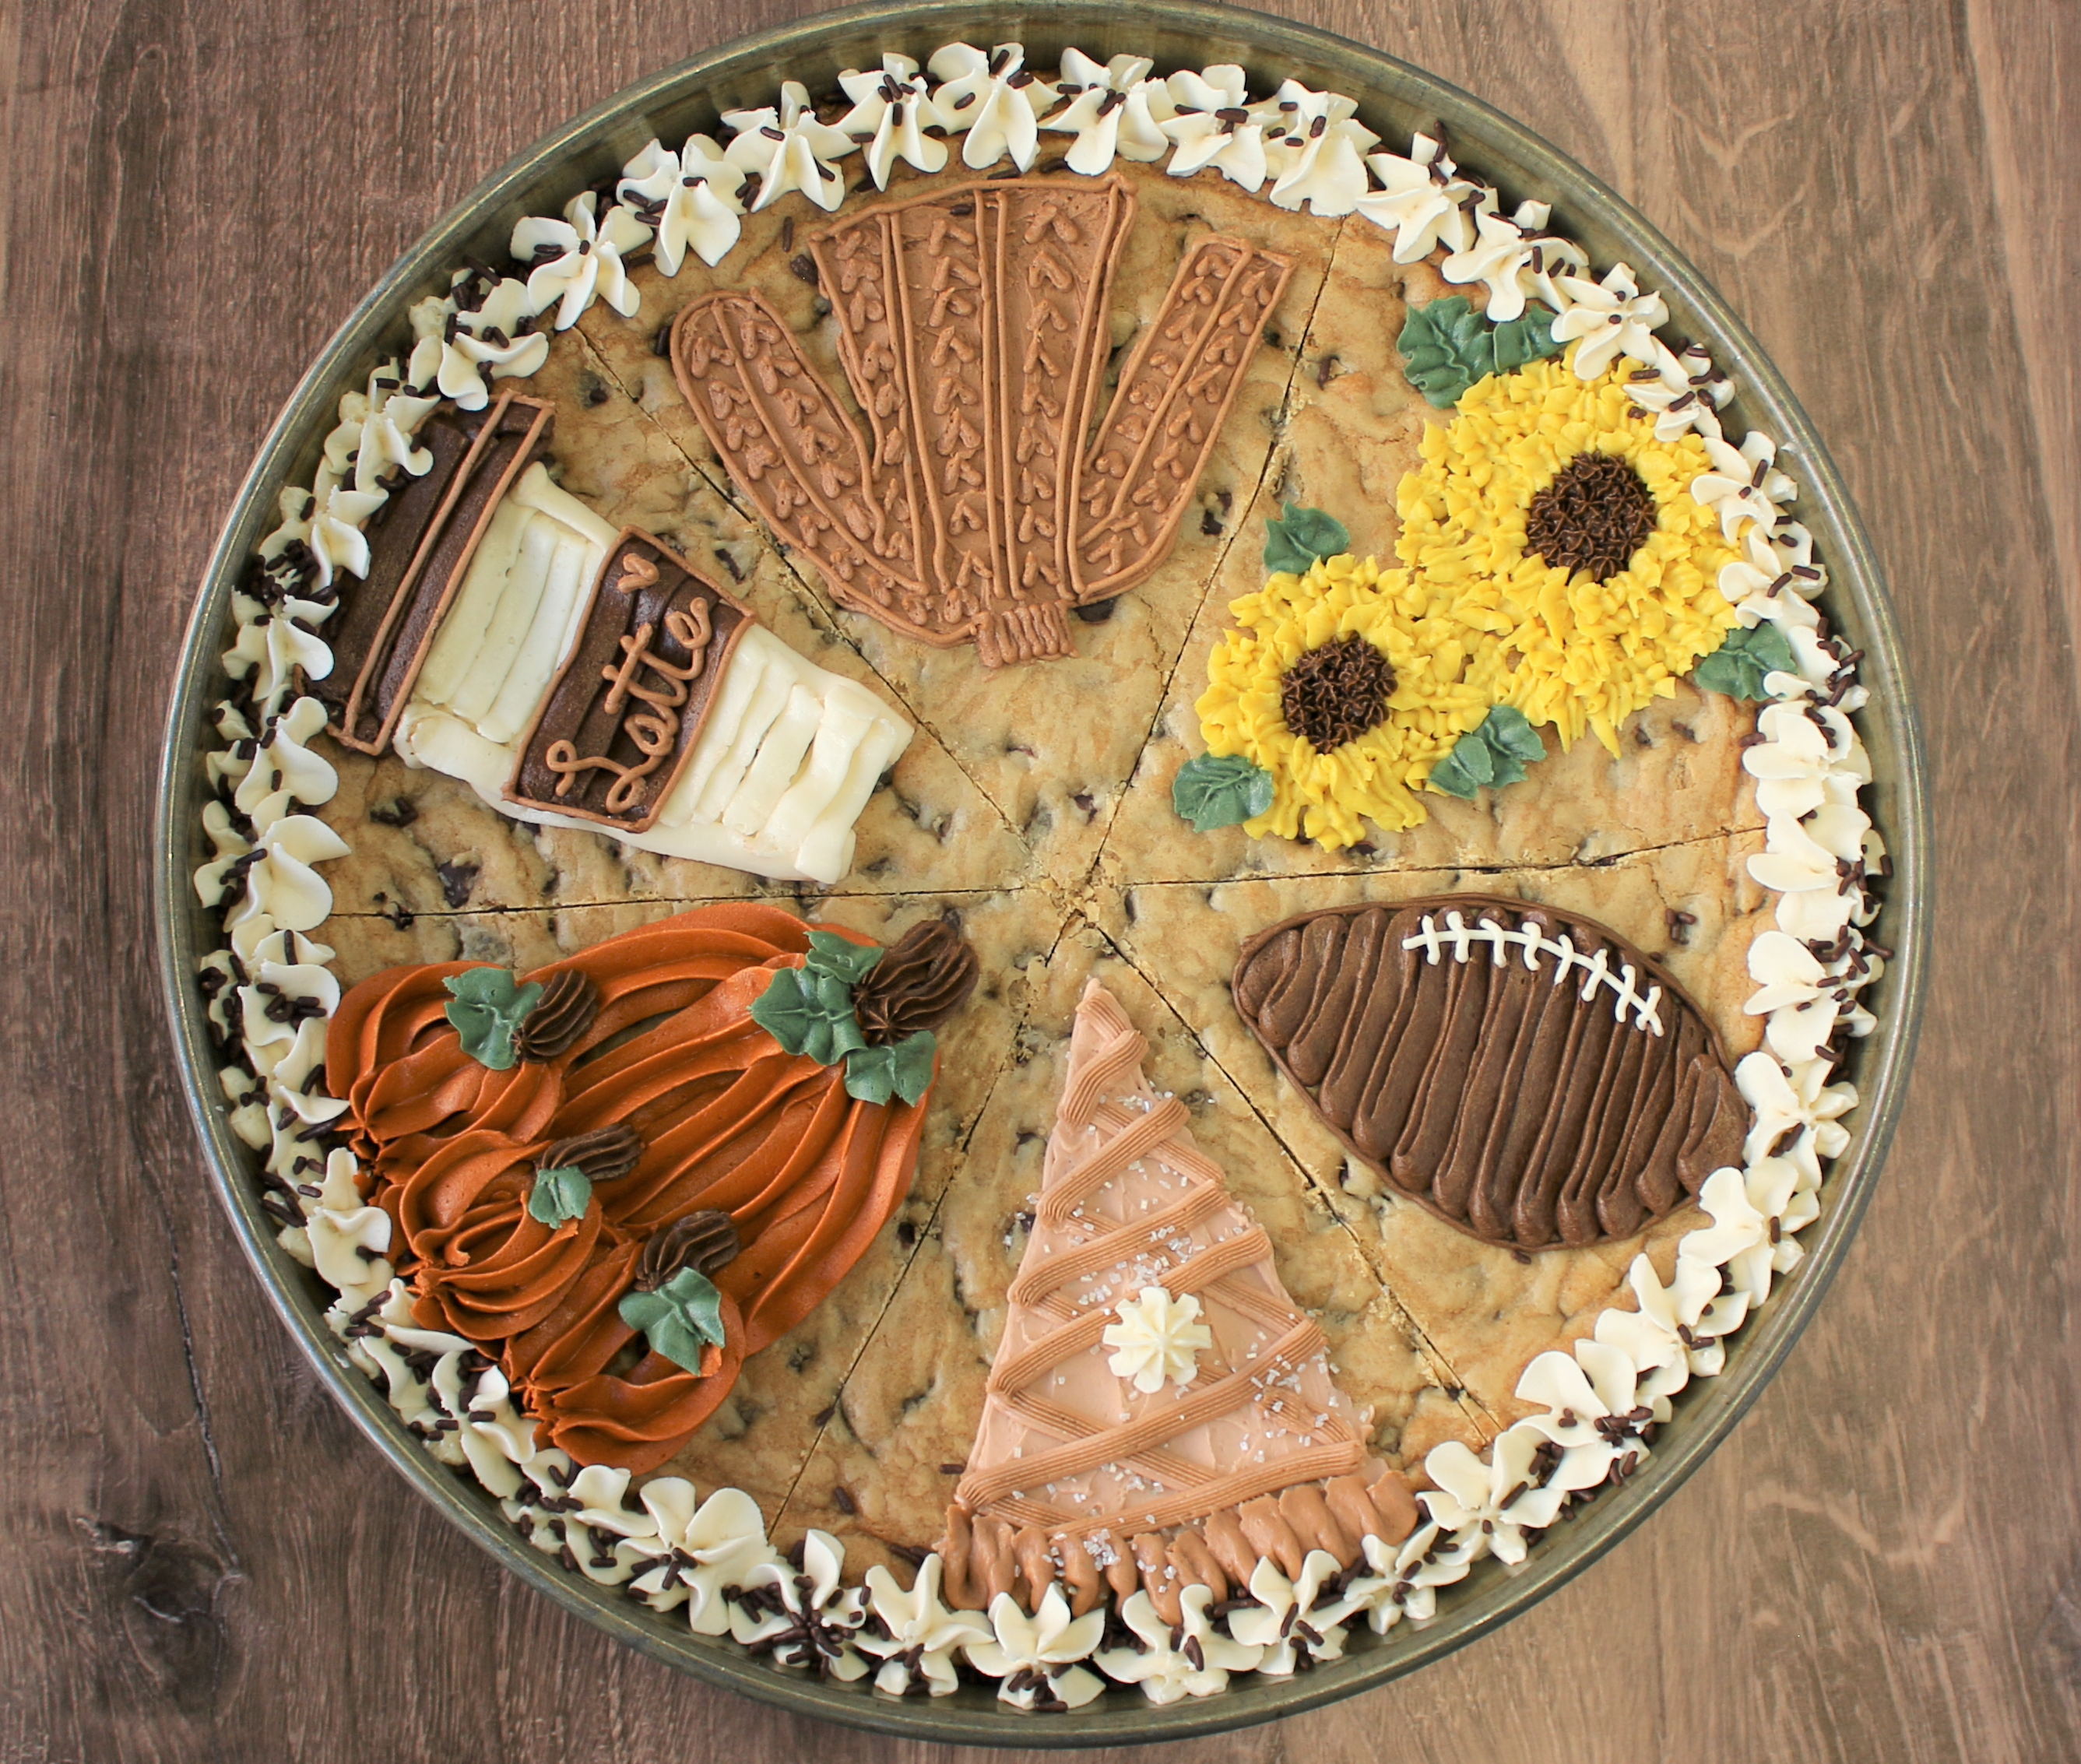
1596	968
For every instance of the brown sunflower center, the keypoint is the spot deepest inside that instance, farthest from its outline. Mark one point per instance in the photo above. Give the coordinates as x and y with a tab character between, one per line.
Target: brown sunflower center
1335	693
1592	518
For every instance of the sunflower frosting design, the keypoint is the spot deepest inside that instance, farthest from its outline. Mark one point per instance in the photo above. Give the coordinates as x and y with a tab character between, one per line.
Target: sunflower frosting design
1568	650
1554	561
1325	795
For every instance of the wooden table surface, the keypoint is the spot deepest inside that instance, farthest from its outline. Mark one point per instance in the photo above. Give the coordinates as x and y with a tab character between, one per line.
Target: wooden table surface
201	1558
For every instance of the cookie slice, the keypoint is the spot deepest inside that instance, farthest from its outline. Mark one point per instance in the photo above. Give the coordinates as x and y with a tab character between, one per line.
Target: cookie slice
1114	1411
1353	426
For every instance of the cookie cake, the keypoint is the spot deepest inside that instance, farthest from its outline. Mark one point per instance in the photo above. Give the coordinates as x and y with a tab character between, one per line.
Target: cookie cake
1041	876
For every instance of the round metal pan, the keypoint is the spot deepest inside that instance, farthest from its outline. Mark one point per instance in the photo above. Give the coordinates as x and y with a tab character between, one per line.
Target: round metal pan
1393	97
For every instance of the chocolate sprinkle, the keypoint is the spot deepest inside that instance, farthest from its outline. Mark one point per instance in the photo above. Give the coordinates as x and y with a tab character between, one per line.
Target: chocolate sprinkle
1335	693
703	1242
1591	518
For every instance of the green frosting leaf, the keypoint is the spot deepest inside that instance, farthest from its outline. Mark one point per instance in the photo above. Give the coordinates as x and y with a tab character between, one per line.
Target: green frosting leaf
1448	347
488	1011
560	1195
1305	535
1464	771
1524	339
1738	666
809	1011
841	958
1509	731
680	1318
876	1074
1213	793
1495	754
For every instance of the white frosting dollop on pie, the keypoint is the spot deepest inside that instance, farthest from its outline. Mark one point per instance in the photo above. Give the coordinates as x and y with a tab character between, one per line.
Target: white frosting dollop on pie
1158	1339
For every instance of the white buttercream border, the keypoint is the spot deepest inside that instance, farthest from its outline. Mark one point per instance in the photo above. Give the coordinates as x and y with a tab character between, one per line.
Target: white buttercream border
270	992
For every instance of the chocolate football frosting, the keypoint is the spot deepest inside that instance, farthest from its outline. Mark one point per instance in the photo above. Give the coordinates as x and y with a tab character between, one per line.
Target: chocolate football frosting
1523	1072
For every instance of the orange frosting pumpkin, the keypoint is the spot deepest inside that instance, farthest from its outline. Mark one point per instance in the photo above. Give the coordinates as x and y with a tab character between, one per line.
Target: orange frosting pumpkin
728	1121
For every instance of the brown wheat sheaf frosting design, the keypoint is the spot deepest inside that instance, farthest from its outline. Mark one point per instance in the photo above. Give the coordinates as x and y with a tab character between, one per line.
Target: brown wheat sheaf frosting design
973	327
1523	1072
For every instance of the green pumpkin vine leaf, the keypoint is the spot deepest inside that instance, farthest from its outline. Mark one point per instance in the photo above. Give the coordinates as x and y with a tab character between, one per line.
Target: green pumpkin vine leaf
808	1011
679	1319
487	1013
876	1074
559	1196
841	958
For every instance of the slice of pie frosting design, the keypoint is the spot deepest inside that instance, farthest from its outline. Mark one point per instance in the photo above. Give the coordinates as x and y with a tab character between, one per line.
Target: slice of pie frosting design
1232	1443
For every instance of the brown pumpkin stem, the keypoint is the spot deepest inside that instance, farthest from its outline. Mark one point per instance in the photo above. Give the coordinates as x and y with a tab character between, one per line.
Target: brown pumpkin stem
703	1242
920	981
604	1155
569	1003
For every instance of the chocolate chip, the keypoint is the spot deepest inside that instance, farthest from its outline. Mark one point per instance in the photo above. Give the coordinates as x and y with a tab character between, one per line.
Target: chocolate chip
458	877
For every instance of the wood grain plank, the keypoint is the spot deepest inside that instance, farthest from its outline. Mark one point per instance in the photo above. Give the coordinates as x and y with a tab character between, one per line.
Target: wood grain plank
204	1560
